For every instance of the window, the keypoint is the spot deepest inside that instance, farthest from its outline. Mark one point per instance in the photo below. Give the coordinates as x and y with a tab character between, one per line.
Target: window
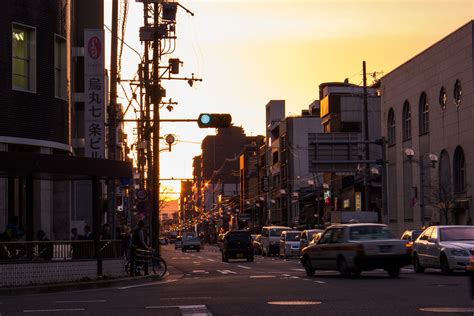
457	92
60	67
459	171
426	234
424	114
326	238
406	121
391	127
443	98
23	58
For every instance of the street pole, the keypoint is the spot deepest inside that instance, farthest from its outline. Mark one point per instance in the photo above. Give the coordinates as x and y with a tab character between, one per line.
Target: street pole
366	133
422	192
112	116
385	208
156	133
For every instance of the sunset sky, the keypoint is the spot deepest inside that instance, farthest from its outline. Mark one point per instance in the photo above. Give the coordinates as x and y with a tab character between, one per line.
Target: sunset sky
250	52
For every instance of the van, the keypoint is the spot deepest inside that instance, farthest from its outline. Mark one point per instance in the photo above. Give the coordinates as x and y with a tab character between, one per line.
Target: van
270	239
237	244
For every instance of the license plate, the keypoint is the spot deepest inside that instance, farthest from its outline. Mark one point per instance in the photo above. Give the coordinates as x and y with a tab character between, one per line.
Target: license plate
240	255
385	249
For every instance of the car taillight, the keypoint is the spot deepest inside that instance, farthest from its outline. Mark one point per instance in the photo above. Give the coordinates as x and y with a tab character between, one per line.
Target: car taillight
409	247
360	250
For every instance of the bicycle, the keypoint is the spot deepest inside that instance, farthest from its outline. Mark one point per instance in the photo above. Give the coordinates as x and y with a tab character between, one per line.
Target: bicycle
156	264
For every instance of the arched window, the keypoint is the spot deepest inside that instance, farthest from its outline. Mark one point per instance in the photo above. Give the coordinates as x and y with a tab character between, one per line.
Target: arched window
424	114
443	98
391	127
406	121
459	170
457	92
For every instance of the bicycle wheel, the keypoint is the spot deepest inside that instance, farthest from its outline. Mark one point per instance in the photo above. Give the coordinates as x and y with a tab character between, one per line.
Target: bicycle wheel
159	266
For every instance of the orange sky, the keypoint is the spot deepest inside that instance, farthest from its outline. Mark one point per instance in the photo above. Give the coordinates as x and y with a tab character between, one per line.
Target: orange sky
249	52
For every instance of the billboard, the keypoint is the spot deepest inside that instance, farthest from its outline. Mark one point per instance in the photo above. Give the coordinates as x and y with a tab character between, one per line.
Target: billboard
94	93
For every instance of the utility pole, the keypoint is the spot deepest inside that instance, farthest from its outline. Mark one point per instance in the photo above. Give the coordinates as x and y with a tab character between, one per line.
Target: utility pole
366	138
112	115
156	93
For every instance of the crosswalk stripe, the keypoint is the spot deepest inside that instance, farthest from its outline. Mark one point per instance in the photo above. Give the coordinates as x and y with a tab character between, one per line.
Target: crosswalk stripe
244	267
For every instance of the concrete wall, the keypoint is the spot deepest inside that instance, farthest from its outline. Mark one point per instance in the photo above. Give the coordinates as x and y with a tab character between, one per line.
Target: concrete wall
442	64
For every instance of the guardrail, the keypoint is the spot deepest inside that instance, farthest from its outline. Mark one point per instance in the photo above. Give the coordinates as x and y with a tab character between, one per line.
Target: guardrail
27	251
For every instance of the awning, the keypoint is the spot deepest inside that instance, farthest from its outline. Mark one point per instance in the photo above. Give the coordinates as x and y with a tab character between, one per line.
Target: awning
61	167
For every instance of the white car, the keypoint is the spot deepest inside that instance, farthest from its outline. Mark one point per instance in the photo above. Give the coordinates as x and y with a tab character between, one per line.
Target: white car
290	243
270	239
444	247
353	248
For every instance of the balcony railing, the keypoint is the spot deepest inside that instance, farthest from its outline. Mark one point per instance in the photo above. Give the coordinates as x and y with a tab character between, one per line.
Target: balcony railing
28	251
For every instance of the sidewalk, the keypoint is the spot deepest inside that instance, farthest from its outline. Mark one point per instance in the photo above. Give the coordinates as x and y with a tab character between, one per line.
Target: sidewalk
86	285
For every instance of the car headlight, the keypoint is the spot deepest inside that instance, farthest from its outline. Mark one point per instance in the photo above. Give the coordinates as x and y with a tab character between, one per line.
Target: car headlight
459	253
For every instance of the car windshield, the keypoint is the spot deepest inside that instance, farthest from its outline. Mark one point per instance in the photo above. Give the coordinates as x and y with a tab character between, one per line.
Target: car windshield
241	239
456	233
189	236
292	236
370	232
276	232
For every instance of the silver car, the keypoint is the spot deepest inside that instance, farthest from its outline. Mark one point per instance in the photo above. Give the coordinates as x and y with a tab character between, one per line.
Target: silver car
444	247
289	243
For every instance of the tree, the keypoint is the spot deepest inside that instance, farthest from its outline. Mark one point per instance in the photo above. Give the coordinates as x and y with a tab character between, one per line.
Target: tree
442	198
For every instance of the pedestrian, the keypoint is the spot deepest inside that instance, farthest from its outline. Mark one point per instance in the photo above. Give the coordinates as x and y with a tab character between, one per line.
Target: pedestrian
45	250
106	232
87	233
74	234
140	250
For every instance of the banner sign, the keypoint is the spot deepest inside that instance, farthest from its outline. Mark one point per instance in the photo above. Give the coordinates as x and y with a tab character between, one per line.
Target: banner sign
94	93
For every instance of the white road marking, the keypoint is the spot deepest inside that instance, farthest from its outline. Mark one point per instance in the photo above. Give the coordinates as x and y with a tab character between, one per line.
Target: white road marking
146	284
227	272
200	257
200	271
188	310
285	275
299	270
244	267
295	277
211	260
185	298
261	276
320	282
54	310
86	301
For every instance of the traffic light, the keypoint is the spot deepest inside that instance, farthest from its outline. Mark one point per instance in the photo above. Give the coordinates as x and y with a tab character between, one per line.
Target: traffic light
214	120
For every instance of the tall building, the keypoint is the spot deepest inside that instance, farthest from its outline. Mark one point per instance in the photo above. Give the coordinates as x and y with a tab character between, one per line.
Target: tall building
427	114
342	114
287	162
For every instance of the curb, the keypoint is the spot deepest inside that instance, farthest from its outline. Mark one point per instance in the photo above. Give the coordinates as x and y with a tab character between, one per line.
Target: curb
60	287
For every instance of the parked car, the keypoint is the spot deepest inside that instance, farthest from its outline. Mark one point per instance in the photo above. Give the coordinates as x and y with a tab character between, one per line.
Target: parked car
444	247
316	238
271	239
289	243
307	236
410	236
178	242
237	244
257	245
190	241
353	248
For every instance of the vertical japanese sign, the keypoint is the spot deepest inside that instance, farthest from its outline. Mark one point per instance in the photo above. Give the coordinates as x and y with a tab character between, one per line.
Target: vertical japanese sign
94	93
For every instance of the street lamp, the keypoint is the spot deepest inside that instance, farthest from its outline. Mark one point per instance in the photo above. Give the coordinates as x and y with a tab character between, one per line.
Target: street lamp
433	159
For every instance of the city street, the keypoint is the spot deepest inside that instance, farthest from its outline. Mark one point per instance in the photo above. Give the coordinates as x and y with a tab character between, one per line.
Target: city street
199	283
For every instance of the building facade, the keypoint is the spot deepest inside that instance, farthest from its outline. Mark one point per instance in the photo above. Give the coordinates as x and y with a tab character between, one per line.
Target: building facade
427	114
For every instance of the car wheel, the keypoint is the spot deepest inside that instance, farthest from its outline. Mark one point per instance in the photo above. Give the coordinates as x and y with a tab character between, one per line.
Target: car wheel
198	249
183	249
308	267
445	265
343	267
356	273
416	264
393	272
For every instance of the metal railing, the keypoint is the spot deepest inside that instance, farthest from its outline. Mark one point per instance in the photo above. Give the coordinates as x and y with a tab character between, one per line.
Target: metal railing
27	251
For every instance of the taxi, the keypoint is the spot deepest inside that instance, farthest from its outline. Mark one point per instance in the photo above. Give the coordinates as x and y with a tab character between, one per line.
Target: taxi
353	248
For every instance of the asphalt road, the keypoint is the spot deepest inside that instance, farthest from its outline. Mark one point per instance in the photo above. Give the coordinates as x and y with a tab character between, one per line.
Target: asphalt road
201	284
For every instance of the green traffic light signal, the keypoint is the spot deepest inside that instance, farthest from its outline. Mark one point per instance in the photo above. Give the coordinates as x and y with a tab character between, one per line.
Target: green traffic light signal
214	120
